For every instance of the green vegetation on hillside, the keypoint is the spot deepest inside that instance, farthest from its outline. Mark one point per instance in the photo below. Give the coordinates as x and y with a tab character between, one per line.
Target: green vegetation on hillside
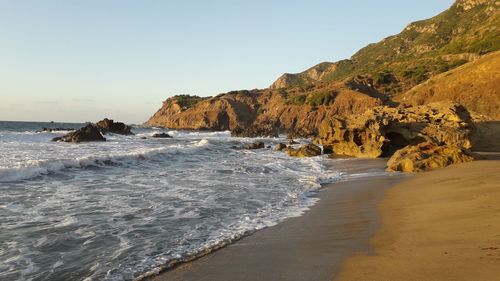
187	101
423	49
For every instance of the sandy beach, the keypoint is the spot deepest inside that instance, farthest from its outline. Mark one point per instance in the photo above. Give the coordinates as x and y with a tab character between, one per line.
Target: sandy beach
439	225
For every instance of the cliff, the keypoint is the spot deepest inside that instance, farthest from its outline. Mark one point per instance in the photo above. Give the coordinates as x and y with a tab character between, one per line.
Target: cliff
269	111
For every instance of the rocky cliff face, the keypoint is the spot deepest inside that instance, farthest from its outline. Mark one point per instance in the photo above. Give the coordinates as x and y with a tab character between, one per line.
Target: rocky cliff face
220	113
265	112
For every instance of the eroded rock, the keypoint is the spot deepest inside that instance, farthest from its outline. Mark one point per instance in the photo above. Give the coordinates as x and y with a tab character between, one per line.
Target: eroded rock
383	130
308	150
427	156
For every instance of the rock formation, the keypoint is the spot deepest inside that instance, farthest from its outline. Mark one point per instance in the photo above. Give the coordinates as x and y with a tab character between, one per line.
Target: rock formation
88	133
280	146
254	145
427	156
381	131
161	135
265	112
308	150
109	126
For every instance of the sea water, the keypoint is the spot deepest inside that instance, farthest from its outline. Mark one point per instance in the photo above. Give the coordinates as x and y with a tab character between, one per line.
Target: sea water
114	210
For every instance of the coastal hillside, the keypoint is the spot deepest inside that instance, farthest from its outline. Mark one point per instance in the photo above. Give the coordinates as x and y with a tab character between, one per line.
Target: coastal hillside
263	112
468	29
475	85
438	59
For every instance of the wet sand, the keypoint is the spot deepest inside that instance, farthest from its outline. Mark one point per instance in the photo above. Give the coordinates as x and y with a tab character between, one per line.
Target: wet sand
440	225
310	247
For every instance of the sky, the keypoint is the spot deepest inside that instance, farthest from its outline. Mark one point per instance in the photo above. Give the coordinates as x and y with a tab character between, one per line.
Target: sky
78	61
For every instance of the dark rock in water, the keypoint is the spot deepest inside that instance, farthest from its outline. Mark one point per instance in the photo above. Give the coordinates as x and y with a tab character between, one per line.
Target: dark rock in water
161	135
290	142
268	129
85	134
254	145
56	129
308	150
280	146
144	138
107	125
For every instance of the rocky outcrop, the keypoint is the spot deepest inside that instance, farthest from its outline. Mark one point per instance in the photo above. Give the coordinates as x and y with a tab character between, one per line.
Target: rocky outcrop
382	131
309	76
280	147
161	135
265	112
308	150
226	112
109	126
50	130
254	145
86	134
427	156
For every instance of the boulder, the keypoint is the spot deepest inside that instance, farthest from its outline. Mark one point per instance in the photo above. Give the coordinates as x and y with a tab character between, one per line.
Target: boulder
88	133
254	145
291	142
280	146
49	130
308	150
381	131
107	125
427	156
161	135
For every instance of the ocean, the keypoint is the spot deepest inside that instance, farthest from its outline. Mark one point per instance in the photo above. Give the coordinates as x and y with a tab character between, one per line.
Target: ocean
117	209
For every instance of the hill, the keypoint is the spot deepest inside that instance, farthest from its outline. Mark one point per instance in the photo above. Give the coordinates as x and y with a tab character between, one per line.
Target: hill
455	52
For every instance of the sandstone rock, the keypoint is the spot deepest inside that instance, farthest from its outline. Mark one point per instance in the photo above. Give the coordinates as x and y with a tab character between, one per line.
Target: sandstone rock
427	156
161	135
280	146
107	125
383	130
254	145
308	150
85	134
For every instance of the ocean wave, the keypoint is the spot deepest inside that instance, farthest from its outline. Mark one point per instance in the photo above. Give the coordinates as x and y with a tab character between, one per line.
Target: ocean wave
34	168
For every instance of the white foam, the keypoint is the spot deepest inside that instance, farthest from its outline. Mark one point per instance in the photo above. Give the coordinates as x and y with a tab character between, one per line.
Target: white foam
29	169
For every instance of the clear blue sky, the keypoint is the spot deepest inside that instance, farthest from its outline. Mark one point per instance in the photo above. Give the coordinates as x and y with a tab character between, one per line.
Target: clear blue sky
84	60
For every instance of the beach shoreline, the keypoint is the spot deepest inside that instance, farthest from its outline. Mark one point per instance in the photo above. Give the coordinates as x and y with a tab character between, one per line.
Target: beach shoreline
309	247
440	225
